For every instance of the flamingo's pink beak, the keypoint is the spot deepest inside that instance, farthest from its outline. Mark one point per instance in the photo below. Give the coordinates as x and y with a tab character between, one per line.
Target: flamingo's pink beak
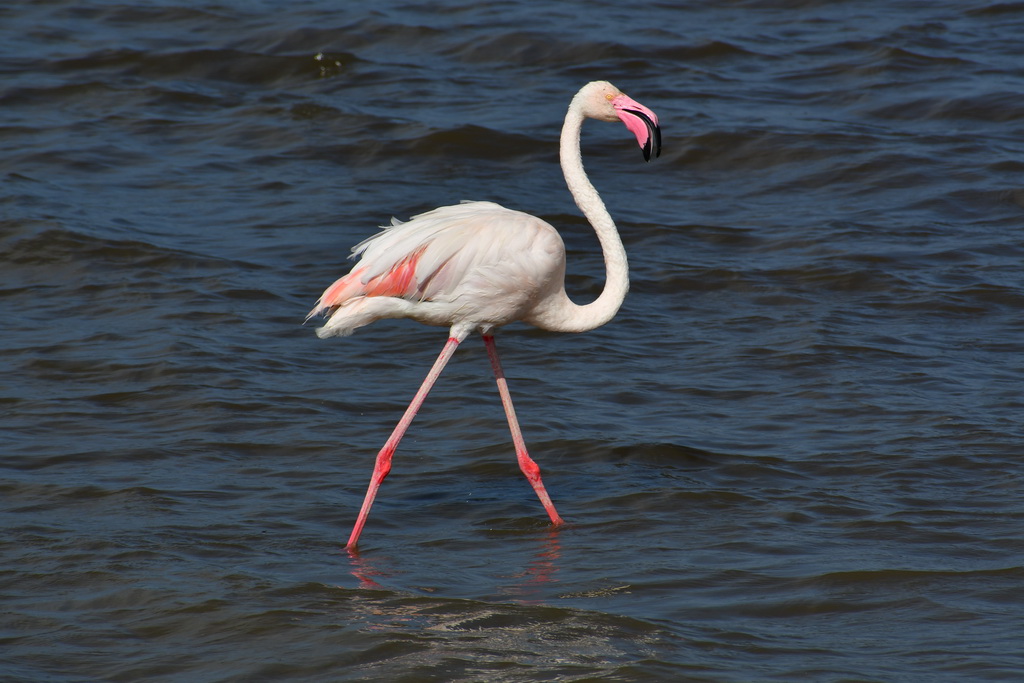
642	122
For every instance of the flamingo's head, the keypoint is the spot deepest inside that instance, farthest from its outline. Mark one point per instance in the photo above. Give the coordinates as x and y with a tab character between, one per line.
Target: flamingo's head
603	101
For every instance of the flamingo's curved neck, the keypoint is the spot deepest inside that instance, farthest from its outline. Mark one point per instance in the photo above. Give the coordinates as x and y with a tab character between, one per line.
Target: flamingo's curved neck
564	315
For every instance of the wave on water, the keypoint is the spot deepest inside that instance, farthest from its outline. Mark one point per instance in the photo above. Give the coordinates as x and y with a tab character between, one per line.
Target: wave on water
793	455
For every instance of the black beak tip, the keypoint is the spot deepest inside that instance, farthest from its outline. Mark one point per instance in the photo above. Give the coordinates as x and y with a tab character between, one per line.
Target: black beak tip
653	144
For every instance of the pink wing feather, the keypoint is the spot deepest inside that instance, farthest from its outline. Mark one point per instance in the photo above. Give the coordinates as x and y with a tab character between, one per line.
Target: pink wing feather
399	281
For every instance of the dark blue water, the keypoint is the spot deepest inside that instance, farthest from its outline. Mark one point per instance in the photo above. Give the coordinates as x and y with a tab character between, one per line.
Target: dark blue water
794	455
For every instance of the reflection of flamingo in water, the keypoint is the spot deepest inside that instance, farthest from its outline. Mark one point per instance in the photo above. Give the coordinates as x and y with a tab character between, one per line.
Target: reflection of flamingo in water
477	266
523	586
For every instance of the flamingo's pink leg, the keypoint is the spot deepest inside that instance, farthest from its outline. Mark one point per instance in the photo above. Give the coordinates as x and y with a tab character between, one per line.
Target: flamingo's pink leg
526	463
383	464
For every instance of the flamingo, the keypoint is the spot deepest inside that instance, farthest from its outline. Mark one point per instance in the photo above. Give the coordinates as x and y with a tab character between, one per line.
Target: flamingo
476	266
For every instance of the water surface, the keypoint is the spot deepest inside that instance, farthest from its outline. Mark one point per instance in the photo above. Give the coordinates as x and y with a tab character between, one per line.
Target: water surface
794	455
